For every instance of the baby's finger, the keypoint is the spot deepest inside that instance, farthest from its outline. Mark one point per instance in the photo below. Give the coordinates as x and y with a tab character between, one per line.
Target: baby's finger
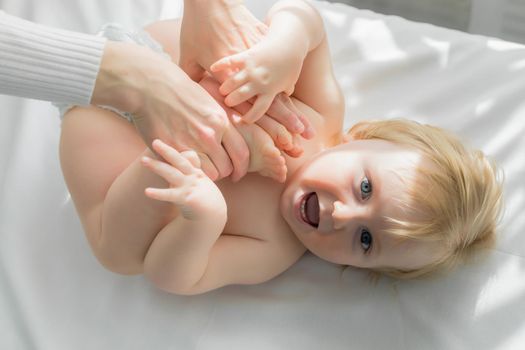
172	156
240	95
228	62
163	194
234	82
258	109
172	175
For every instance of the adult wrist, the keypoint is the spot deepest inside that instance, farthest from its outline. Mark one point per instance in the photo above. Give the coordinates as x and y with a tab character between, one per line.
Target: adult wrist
118	83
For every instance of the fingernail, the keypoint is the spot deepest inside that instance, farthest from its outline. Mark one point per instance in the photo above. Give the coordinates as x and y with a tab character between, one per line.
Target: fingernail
236	119
310	132
157	142
298	126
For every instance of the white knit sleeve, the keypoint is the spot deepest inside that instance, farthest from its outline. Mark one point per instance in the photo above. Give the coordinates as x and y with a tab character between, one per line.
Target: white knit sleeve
46	63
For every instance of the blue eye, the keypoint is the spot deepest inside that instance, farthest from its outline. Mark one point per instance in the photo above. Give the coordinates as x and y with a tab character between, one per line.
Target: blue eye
366	240
366	188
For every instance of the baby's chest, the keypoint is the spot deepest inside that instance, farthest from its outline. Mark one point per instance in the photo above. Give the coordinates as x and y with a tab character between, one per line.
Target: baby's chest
253	207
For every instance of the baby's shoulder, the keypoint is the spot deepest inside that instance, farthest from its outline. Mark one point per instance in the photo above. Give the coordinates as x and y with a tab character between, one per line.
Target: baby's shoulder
326	125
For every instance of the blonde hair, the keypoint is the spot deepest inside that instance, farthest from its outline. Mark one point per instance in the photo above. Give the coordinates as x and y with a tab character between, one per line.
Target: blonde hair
459	197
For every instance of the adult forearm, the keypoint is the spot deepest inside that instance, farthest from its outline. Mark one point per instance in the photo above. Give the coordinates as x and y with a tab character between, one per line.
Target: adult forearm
129	84
46	63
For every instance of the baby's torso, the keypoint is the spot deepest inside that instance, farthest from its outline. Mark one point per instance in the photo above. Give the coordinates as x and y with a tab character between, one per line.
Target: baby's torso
253	207
253	202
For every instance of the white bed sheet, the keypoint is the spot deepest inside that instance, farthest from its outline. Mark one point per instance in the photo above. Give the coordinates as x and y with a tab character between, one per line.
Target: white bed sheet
54	294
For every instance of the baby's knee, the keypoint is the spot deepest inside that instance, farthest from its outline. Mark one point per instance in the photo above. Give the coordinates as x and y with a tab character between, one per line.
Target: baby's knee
118	263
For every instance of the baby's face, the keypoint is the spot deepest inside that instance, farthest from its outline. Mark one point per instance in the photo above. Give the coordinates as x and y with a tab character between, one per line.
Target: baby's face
337	202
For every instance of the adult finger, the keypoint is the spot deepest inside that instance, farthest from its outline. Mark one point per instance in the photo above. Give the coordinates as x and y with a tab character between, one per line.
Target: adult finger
284	114
221	161
193	158
279	134
208	167
309	131
238	151
258	109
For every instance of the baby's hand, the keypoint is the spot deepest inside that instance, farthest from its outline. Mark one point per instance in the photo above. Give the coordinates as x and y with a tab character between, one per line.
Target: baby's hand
263	71
194	193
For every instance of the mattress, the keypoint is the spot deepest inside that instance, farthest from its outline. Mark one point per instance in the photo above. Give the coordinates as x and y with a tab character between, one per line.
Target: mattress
55	295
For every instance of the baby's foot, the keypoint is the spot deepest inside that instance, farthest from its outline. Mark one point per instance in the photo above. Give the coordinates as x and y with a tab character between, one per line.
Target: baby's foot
265	158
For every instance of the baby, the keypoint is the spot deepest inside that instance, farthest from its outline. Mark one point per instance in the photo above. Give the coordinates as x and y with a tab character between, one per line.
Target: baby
391	196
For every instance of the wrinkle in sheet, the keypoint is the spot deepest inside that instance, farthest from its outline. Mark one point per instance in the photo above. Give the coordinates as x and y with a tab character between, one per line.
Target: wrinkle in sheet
375	41
516	66
500	309
513	129
442	49
502	288
447	303
501	45
484	106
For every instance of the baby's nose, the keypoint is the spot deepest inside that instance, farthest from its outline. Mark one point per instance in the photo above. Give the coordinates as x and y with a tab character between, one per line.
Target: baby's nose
341	215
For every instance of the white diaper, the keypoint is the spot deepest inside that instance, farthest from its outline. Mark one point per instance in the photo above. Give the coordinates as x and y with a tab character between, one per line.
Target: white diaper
115	32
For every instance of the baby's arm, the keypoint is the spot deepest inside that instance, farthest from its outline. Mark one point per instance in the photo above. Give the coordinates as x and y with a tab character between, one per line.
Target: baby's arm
293	57
190	255
131	233
100	158
178	256
265	138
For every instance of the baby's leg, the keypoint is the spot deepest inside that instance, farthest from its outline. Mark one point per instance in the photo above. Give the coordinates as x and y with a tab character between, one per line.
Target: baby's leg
100	157
265	157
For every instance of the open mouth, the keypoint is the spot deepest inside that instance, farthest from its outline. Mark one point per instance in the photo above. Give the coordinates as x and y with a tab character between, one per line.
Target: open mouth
309	209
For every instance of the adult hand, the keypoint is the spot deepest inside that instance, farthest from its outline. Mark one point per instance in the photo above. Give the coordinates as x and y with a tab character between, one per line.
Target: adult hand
213	29
167	104
282	138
